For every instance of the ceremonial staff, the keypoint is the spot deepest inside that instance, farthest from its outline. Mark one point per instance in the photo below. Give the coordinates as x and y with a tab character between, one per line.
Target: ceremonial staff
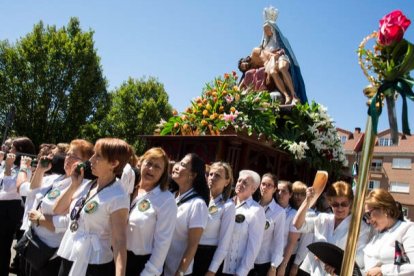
391	62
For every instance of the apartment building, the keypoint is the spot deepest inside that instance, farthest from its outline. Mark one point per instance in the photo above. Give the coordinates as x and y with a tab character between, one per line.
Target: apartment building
391	166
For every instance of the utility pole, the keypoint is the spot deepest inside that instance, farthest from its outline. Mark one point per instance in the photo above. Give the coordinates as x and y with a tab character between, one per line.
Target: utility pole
9	122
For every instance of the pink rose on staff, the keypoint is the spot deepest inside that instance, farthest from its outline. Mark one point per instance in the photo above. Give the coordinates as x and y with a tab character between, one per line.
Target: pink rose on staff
392	28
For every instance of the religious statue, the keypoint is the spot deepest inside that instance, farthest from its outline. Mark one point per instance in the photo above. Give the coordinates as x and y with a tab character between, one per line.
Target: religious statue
273	63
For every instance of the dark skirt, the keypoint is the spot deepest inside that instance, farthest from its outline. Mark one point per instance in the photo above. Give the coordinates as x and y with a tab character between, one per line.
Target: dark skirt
107	269
11	213
260	269
135	263
202	259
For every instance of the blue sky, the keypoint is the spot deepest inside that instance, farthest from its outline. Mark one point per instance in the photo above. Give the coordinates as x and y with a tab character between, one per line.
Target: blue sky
185	44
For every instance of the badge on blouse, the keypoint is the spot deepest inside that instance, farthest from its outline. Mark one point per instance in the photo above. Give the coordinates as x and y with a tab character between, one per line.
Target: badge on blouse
267	225
144	205
74	226
91	207
212	209
53	194
240	218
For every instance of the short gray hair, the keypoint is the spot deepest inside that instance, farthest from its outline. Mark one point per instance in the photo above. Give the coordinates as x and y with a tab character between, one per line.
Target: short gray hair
254	175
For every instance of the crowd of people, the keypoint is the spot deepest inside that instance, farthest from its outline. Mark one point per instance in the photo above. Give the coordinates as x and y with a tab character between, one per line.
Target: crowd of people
101	210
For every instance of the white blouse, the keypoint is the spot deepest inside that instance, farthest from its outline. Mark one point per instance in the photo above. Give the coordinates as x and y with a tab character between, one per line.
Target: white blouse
219	229
246	239
380	250
48	197
151	226
271	250
8	188
191	214
91	243
323	227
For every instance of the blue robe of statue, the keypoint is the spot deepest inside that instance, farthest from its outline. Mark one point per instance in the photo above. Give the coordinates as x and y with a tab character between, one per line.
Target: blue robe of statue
294	68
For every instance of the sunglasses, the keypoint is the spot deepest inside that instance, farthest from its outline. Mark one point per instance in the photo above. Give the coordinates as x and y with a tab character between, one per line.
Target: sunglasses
343	204
367	216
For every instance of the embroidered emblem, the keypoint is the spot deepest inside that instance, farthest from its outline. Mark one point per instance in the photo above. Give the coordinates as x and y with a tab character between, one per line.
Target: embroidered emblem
212	209
53	194
91	207
240	218
267	225
144	205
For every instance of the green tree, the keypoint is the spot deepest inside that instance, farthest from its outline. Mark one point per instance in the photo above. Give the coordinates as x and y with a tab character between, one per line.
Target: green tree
54	79
137	106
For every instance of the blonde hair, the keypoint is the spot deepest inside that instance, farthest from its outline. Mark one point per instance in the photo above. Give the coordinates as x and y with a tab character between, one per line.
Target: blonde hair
340	189
229	176
298	187
382	199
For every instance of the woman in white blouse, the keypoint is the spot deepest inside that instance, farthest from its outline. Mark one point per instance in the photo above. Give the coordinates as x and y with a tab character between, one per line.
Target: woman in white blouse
271	251
192	198
291	234
152	217
216	237
44	191
332	228
391	249
11	205
96	237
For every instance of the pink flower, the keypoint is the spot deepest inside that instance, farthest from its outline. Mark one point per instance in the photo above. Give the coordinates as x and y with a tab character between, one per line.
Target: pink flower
229	99
392	28
231	117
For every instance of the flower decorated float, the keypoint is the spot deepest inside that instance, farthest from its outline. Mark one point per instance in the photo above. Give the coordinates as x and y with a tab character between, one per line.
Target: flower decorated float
261	121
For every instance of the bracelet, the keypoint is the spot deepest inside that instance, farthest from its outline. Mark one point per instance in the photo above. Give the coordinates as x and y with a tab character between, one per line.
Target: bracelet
180	272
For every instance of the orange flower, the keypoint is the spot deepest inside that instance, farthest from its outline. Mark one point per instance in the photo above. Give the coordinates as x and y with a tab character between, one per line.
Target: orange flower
226	76
204	123
205	112
224	93
209	107
175	113
232	109
212	117
176	125
221	108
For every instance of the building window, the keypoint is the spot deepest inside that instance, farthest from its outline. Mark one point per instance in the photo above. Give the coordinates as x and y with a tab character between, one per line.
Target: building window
399	187
385	142
401	163
376	165
343	139
373	184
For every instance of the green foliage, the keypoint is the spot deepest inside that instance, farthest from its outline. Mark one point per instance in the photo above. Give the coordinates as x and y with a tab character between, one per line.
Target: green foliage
54	79
137	106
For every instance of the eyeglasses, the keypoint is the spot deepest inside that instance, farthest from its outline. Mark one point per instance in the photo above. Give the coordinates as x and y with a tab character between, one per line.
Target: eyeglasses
149	164
343	204
72	156
267	185
367	216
